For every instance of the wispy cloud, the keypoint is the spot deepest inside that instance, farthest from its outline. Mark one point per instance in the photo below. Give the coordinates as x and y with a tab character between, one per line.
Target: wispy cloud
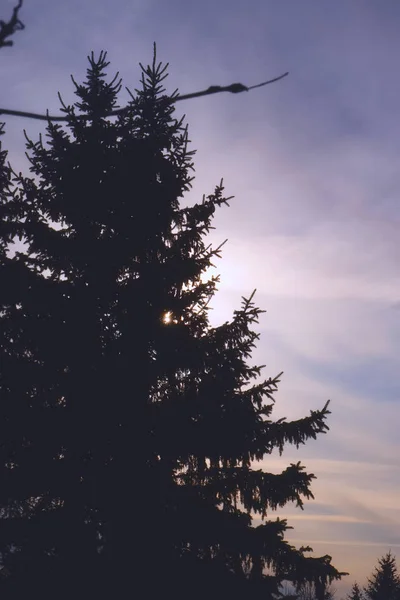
313	163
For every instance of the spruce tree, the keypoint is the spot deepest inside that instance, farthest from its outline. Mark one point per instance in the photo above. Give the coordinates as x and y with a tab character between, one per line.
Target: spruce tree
355	593
131	428
385	581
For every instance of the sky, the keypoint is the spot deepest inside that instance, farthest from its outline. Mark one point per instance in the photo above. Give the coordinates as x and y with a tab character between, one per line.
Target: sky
313	163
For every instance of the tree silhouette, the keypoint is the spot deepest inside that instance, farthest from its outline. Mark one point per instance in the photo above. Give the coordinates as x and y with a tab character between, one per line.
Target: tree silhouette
130	427
385	582
355	593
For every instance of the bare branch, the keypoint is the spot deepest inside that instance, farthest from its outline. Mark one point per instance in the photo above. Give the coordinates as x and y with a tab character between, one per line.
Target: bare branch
234	88
9	28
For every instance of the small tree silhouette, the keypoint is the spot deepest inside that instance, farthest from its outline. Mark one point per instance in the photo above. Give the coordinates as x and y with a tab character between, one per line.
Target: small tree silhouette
355	593
385	582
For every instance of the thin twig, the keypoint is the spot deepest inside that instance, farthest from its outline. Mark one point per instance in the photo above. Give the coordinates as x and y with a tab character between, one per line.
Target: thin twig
234	88
13	25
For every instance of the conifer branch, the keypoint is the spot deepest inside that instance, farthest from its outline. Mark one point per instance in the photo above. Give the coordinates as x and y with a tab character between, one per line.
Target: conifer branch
234	88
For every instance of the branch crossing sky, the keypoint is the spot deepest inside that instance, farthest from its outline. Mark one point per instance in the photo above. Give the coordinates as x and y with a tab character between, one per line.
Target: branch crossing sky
313	163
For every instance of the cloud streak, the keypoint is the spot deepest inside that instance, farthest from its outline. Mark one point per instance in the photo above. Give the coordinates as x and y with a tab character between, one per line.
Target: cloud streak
313	164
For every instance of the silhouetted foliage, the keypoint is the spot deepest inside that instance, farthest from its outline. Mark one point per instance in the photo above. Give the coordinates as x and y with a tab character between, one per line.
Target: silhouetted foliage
312	591
385	582
307	590
8	28
129	425
356	593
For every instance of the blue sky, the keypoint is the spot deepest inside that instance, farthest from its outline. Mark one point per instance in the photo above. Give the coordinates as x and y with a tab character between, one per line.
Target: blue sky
313	162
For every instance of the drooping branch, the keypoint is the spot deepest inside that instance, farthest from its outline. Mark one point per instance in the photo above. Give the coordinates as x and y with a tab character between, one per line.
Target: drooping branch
9	28
234	88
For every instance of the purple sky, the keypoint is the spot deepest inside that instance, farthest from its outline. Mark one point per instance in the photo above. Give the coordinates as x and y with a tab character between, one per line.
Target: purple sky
313	162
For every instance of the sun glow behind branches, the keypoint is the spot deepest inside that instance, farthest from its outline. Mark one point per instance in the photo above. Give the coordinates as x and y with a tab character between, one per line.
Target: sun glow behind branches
167	318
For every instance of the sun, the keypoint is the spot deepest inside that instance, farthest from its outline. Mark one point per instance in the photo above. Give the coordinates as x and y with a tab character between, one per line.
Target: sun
167	318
